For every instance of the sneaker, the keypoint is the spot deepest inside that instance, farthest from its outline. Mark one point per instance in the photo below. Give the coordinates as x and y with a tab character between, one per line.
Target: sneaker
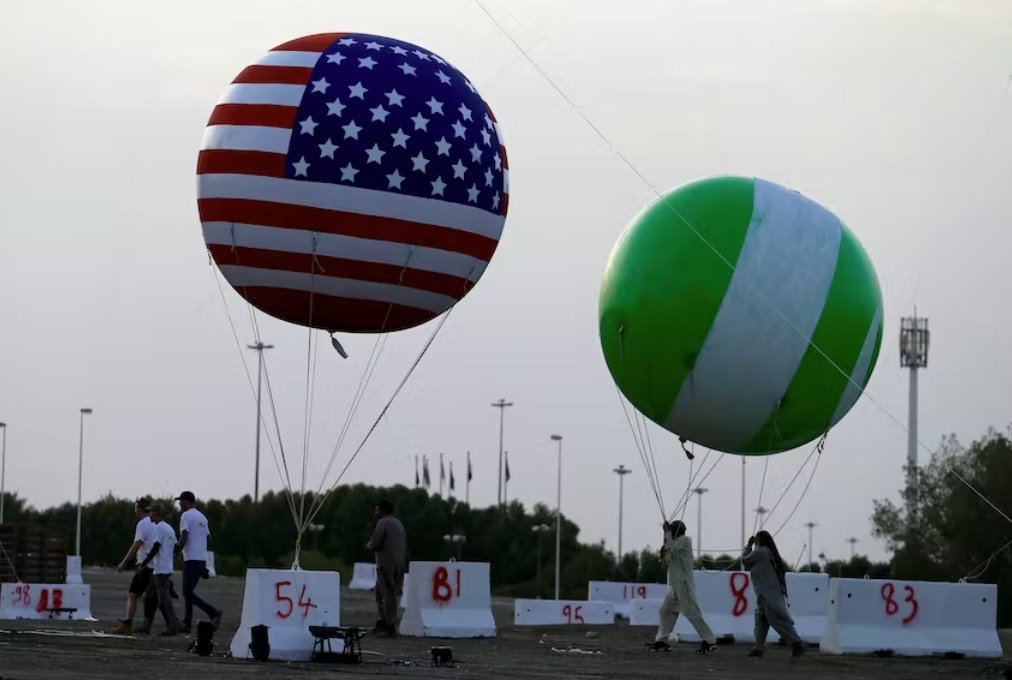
706	648
216	619
661	646
756	653
798	650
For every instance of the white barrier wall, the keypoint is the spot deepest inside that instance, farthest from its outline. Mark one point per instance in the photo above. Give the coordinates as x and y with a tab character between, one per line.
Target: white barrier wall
727	601
363	576
912	618
449	600
287	602
74	570
404	592
622	595
562	613
35	600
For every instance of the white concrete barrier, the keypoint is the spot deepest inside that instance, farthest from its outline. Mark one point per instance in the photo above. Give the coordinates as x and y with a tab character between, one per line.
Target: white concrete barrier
211	572
622	595
74	570
562	613
912	618
404	592
287	602
727	601
44	601
808	599
363	576
449	600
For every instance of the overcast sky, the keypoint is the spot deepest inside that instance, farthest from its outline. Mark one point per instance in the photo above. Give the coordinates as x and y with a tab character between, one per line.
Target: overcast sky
895	115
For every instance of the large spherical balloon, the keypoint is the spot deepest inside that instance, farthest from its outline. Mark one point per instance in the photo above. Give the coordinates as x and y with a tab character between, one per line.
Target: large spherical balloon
719	356
352	183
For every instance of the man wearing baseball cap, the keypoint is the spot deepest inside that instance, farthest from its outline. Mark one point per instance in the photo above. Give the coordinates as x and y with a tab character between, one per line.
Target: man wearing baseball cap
144	534
193	534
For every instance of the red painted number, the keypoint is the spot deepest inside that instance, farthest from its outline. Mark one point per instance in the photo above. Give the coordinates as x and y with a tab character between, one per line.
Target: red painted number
278	597
892	608
442	591
572	614
304	603
57	598
22	594
632	592
739	583
43	604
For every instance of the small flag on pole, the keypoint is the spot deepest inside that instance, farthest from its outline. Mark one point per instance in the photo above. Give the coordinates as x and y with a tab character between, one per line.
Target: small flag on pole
425	472
453	484
470	476
507	466
417	478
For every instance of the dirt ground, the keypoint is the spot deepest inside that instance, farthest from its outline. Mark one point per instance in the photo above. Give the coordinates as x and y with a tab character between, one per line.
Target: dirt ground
72	650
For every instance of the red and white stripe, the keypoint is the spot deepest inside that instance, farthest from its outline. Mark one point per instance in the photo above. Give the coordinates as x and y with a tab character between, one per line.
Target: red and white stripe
329	256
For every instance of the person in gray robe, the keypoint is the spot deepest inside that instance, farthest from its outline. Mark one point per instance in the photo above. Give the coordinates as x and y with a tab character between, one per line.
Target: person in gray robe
390	544
681	595
769	580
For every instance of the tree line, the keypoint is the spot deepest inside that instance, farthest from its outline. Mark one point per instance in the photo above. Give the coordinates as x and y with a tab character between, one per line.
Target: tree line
942	531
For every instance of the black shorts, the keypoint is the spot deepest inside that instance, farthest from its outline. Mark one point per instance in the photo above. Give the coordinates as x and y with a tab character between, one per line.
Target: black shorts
139	583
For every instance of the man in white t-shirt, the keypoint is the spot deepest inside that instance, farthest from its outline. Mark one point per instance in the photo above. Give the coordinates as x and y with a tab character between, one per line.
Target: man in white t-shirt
143	540
160	588
193	534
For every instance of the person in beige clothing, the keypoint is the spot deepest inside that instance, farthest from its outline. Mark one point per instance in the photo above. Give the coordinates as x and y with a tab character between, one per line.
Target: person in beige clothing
681	595
390	544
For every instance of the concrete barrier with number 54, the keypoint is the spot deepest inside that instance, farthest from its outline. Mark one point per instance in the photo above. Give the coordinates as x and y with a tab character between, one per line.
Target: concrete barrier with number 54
448	600
912	618
287	602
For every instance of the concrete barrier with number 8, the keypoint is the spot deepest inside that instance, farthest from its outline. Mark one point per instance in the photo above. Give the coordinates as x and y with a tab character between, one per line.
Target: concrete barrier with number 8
58	601
363	576
562	613
449	600
912	618
287	602
622	595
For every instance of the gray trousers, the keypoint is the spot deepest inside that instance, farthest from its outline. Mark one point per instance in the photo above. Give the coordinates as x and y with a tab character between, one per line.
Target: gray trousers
774	612
158	593
681	599
389	586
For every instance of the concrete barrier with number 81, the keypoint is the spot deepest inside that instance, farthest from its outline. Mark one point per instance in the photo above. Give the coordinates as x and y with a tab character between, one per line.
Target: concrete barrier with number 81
287	602
562	613
912	618
448	599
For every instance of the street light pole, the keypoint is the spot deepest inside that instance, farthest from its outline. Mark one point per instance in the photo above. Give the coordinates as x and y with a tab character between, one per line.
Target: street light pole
558	517
539	529
3	471
621	471
810	525
502	405
852	541
761	511
259	348
80	475
699	491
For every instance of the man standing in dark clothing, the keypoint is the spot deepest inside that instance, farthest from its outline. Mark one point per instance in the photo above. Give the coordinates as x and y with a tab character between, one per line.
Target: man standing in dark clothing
389	542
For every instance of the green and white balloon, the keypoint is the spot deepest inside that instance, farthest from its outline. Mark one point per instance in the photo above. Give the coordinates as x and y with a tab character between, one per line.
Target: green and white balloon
720	355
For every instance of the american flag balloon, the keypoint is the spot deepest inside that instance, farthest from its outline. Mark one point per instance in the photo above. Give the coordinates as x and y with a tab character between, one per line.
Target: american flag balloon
352	183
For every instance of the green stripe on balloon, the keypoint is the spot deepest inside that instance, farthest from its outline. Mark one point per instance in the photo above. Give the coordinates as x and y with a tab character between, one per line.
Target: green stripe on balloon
663	286
808	407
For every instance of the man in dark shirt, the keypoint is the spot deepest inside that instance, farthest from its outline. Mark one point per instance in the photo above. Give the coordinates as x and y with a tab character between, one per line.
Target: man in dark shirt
389	542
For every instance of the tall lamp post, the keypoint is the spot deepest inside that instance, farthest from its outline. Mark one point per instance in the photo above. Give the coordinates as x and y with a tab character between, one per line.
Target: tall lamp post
914	337
456	538
810	525
259	347
699	491
852	541
3	470
621	471
558	516
540	529
502	405
761	511
80	475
